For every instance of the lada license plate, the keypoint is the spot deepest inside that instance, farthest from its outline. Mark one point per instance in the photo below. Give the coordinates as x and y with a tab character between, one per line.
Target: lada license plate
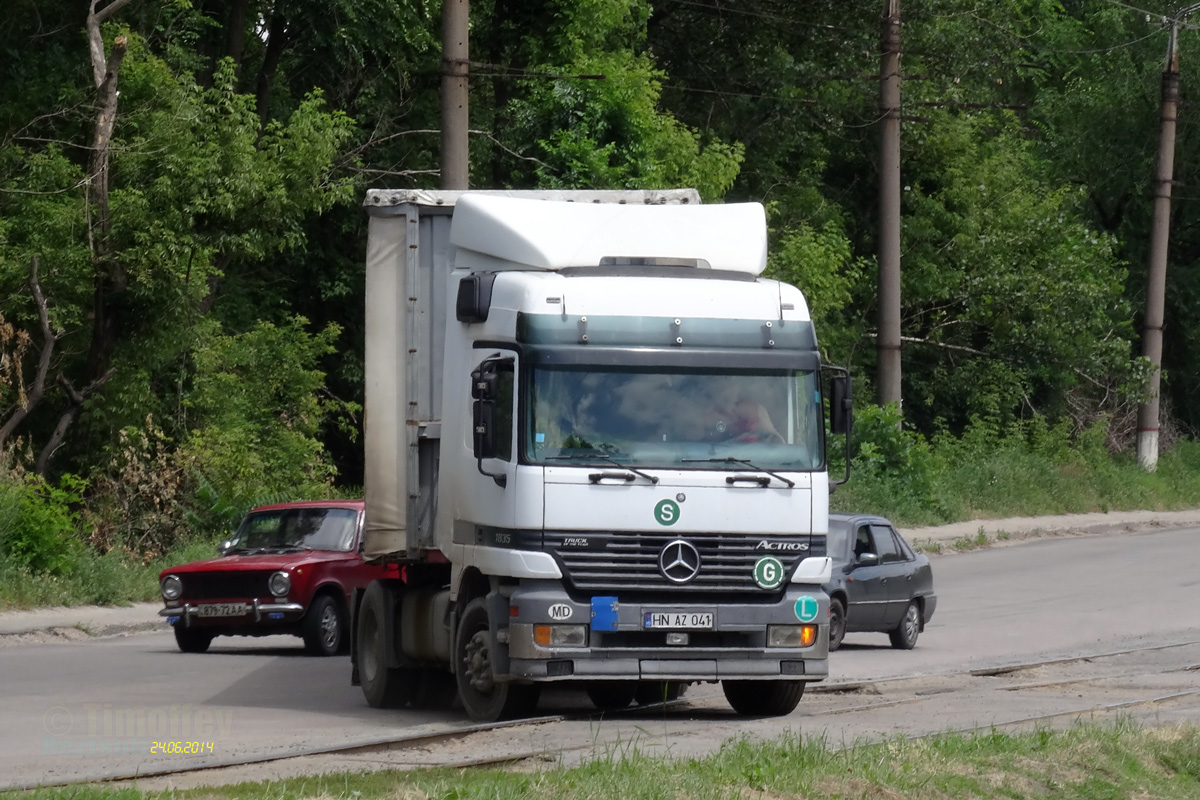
694	620
222	610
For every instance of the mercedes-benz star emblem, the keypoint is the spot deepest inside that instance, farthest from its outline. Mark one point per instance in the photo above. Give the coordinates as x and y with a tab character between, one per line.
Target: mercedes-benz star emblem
679	561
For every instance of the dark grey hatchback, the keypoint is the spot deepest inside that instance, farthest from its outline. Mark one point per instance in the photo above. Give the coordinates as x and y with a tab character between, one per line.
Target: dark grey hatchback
879	583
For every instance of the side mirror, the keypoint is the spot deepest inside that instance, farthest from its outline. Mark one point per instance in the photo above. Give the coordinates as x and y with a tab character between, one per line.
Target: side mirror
484	428
866	560
224	547
485	389
841	404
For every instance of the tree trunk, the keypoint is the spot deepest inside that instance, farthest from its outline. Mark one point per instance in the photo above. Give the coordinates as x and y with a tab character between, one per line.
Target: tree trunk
38	390
277	38
110	281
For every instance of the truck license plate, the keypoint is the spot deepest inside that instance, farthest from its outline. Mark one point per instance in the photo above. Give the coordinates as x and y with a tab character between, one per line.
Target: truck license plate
222	610
678	619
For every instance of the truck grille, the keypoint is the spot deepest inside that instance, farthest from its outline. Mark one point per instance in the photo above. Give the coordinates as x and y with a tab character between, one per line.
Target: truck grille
628	561
210	586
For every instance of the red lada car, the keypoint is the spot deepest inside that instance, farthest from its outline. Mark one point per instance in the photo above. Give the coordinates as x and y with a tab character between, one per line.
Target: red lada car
289	568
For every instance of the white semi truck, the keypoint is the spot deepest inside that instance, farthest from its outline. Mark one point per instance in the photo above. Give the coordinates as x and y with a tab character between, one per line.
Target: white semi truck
595	445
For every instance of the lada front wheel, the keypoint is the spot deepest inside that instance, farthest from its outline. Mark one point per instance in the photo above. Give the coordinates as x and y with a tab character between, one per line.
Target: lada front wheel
191	640
763	698
324	627
484	698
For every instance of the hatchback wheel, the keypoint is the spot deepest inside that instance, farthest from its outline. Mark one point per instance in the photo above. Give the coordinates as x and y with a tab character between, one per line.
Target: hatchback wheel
837	624
904	636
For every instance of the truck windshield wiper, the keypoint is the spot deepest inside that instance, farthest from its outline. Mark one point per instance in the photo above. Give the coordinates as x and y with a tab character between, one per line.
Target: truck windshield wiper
746	461
604	457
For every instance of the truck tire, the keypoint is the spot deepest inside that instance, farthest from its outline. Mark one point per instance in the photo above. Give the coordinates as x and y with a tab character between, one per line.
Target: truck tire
904	635
837	624
649	692
383	686
483	697
763	698
612	695
324	627
191	640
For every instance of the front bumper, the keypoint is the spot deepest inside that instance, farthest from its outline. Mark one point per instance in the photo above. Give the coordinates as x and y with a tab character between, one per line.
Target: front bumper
622	648
188	614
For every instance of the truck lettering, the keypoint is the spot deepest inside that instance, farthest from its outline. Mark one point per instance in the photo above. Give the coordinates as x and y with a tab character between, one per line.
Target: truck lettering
781	547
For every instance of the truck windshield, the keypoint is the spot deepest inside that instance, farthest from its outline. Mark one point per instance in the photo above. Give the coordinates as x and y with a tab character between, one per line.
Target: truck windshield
674	418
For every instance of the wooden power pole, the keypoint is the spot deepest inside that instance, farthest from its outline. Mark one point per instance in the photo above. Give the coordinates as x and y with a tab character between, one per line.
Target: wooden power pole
888	341
455	119
1156	272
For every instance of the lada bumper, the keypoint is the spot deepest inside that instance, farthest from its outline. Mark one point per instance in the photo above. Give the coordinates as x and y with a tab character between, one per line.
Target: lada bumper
249	613
613	639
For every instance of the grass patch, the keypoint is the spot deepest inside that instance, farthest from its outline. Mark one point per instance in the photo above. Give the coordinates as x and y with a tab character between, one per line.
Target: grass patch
1087	762
955	480
92	579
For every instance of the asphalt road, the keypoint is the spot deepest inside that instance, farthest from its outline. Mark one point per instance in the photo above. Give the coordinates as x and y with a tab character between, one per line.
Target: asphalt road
75	710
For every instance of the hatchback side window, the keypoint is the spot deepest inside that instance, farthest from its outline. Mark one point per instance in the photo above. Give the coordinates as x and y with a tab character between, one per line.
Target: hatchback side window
885	544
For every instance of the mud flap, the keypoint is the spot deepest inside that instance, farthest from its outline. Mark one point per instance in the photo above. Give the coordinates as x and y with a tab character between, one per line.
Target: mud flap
497	608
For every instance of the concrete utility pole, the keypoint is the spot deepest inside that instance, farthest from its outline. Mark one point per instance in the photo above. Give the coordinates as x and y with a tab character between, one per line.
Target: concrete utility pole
455	119
888	341
1156	273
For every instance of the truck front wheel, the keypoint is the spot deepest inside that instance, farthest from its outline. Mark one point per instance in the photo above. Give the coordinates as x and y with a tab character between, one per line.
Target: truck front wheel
763	698
483	697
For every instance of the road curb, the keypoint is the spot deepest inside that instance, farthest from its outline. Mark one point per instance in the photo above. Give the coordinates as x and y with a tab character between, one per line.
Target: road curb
92	622
986	532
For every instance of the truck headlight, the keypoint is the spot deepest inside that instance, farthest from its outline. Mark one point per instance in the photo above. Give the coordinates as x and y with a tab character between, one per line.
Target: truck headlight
279	584
791	635
172	587
561	635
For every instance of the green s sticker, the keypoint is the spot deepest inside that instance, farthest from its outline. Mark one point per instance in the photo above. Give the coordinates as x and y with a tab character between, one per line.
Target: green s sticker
666	512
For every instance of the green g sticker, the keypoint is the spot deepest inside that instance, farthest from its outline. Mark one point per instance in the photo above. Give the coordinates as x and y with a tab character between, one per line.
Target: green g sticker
768	572
806	609
666	512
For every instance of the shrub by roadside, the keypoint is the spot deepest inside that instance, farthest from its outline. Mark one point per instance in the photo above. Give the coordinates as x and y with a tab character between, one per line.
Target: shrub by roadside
1026	469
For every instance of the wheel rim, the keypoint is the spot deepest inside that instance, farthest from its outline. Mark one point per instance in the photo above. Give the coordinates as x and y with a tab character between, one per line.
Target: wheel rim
329	627
911	622
837	625
478	663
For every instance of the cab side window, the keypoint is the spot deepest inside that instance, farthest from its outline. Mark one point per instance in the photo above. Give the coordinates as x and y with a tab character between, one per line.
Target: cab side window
504	413
885	544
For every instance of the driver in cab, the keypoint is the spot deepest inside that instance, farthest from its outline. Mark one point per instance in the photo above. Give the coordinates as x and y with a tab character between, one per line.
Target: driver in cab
732	415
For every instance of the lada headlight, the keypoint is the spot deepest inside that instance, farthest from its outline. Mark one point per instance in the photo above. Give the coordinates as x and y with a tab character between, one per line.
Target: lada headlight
279	584
172	587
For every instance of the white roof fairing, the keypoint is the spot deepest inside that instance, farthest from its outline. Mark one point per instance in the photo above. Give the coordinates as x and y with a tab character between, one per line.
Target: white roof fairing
552	235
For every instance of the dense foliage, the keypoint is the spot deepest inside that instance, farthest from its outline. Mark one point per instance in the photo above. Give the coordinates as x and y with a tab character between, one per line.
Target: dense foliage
181	292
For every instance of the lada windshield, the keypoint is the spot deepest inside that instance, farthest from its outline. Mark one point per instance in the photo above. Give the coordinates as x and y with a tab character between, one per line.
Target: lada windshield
296	529
674	418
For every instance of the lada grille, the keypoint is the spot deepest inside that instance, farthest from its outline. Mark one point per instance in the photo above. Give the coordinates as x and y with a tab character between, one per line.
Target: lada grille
621	562
210	586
